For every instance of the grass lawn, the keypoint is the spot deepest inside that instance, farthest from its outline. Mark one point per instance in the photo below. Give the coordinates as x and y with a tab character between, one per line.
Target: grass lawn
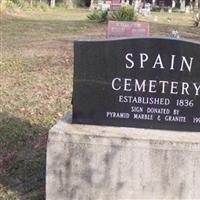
36	86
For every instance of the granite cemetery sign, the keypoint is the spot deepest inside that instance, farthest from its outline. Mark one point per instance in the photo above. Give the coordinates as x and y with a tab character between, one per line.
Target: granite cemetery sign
141	82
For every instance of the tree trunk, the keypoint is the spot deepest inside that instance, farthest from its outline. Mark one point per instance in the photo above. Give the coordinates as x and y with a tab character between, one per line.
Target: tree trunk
52	3
69	3
91	4
173	3
196	4
153	2
182	5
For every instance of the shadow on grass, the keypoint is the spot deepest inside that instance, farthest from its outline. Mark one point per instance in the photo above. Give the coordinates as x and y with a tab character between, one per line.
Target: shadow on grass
22	157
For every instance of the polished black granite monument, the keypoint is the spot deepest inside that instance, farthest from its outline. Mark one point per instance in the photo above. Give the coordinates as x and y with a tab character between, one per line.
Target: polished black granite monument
141	82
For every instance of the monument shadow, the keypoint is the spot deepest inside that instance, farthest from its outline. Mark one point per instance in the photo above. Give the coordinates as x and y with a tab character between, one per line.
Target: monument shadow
22	157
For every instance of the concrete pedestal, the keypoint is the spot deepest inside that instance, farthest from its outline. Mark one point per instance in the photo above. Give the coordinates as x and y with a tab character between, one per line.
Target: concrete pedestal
111	163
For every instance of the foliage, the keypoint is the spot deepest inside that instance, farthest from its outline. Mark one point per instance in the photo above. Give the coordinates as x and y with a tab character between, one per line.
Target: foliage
197	20
156	9
2	7
8	6
42	6
22	4
61	6
81	3
166	9
98	15
126	13
11	6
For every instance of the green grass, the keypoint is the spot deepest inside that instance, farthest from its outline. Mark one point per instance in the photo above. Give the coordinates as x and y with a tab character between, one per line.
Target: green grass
36	71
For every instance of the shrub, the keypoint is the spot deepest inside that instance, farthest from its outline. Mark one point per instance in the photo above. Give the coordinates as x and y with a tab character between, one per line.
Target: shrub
8	6
2	7
156	9
61	6
24	5
126	13
197	20
98	15
42	5
14	6
17	5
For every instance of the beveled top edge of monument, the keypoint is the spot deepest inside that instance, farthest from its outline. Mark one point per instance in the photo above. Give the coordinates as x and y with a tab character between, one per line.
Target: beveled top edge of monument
137	38
64	126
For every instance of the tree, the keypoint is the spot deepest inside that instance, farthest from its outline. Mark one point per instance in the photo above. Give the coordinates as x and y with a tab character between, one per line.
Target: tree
69	3
31	2
52	3
92	4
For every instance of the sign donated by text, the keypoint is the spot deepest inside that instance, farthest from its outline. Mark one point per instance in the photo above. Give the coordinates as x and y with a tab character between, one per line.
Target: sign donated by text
142	82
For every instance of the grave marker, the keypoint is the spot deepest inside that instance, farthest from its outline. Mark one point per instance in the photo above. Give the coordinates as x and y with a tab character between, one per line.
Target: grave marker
127	29
141	82
115	5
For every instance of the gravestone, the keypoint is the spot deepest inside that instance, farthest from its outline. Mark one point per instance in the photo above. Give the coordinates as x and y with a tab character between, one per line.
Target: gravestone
161	3
127	29
112	163
115	5
182	6
142	82
147	9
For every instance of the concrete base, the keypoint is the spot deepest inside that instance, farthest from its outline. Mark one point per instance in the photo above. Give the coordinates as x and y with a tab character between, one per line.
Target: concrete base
111	163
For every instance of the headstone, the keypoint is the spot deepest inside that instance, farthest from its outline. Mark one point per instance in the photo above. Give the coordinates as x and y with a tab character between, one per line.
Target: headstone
127	29
144	11
155	18
142	82
161	3
147	6
137	5
115	5
173	3
182	7
196	5
187	9
169	10
174	34
198	19
104	6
